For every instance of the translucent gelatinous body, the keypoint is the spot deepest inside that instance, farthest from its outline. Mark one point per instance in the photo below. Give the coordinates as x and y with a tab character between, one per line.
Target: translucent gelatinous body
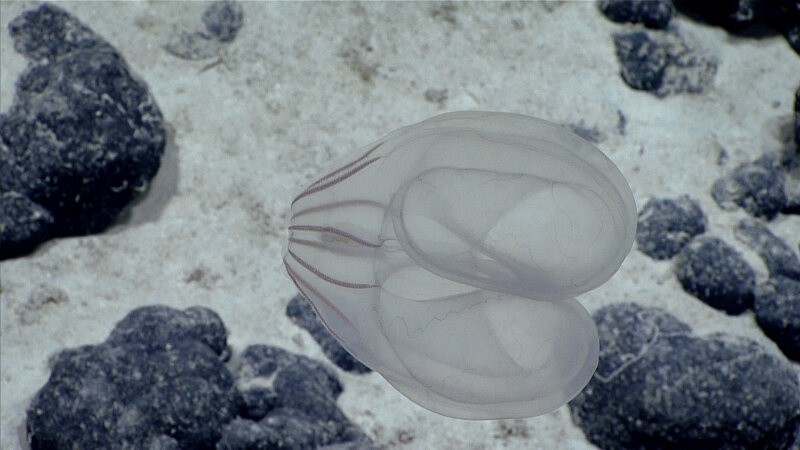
446	256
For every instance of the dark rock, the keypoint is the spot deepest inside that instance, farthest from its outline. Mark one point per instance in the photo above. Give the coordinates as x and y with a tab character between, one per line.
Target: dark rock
666	226
302	313
263	361
353	445
257	402
792	196
244	434
23	223
643	60
223	19
797	111
744	17
652	13
83	137
731	14
663	64
291	374
714	272
158	382
286	429
320	387
791	30
161	442
300	403
155	326
777	307
790	164
137	389
779	258
757	187
48	33
735	15
658	385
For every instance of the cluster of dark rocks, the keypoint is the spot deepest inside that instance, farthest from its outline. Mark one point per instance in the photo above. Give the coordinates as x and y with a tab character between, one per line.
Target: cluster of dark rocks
715	271
659	385
164	379
660	60
82	140
84	137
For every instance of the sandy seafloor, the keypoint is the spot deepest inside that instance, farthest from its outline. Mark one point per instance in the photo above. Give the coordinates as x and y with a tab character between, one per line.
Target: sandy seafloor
248	133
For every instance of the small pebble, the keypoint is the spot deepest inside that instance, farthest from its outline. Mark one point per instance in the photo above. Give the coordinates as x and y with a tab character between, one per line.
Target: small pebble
757	187
797	112
663	63
652	13
777	307
302	314
714	272
223	19
778	256
665	226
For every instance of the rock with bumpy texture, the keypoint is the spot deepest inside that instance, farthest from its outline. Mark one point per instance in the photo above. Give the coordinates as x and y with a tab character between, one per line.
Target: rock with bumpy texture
158	379
658	385
82	138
